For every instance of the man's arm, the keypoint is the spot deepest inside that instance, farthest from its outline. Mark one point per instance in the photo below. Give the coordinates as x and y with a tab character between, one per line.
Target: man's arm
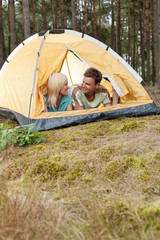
114	100
114	97
108	104
78	107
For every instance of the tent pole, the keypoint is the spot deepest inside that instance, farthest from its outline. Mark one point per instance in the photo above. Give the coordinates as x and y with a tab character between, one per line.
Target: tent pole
35	71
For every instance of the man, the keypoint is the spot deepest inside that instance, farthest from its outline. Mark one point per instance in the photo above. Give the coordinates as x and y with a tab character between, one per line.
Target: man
90	94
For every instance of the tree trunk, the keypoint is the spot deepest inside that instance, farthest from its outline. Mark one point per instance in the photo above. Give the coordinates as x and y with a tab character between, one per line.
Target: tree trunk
52	14
9	38
85	16
44	15
56	17
134	38
147	40
119	27
91	16
12	25
113	36
94	20
141	38
65	14
158	43
26	18
152	44
2	45
129	32
34	18
157	39
78	16
100	30
62	13
73	5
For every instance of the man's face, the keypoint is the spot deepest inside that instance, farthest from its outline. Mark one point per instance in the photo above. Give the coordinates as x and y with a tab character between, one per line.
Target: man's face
88	85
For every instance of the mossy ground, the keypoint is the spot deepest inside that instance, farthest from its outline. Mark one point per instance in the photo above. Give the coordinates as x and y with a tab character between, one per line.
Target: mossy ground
93	181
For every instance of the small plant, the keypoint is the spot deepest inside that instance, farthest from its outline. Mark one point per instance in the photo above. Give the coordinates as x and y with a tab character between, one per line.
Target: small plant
21	135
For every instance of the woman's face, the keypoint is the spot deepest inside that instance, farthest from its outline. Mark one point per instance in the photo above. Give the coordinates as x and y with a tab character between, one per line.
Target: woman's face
64	89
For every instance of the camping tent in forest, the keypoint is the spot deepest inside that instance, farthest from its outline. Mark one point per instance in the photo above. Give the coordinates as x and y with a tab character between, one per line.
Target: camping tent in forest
29	66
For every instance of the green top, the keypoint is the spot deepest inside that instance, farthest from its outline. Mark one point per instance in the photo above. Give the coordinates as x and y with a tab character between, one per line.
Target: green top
65	101
79	98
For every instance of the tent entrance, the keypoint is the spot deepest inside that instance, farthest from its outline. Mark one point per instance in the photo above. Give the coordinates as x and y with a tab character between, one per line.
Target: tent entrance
73	68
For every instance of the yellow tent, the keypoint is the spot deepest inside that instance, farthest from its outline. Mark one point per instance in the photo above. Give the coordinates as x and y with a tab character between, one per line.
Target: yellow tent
30	64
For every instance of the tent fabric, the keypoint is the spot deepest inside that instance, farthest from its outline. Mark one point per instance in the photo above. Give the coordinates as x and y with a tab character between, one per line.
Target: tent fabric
71	54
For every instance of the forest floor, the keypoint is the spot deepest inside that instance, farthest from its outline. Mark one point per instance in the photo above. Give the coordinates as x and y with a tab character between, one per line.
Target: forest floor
94	182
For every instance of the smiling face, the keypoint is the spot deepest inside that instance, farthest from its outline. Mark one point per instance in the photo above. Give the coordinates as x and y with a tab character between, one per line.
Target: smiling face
64	89
89	86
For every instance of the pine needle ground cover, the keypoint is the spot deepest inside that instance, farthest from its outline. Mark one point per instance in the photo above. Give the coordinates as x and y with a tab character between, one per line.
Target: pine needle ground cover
93	182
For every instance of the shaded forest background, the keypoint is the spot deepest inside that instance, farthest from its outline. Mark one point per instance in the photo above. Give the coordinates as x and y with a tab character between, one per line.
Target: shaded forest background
131	28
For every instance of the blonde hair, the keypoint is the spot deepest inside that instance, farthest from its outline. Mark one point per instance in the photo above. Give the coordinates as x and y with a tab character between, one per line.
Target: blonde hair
55	83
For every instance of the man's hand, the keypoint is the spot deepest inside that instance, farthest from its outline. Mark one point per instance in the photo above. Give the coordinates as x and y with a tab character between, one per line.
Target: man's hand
114	97
108	104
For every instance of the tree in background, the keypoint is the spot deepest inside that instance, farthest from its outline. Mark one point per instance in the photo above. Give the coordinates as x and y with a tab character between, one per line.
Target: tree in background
34	17
44	15
158	43
85	16
113	36
152	43
147	39
157	39
119	26
56	15
129	31
134	59
94	19
2	45
99	21
26	18
140	12
12	25
62	14
73	4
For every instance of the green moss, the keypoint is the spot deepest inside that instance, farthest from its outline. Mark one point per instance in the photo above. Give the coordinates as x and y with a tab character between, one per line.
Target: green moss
107	153
76	171
116	168
131	125
88	177
71	143
157	156
41	146
46	170
150	214
87	148
120	216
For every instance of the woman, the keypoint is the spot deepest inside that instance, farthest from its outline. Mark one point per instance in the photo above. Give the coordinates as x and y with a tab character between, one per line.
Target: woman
58	98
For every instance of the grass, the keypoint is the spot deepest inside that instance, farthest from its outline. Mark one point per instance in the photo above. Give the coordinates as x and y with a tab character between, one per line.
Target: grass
94	182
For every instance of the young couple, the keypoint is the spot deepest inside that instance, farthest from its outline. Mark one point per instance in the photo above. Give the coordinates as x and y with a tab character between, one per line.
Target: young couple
88	94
